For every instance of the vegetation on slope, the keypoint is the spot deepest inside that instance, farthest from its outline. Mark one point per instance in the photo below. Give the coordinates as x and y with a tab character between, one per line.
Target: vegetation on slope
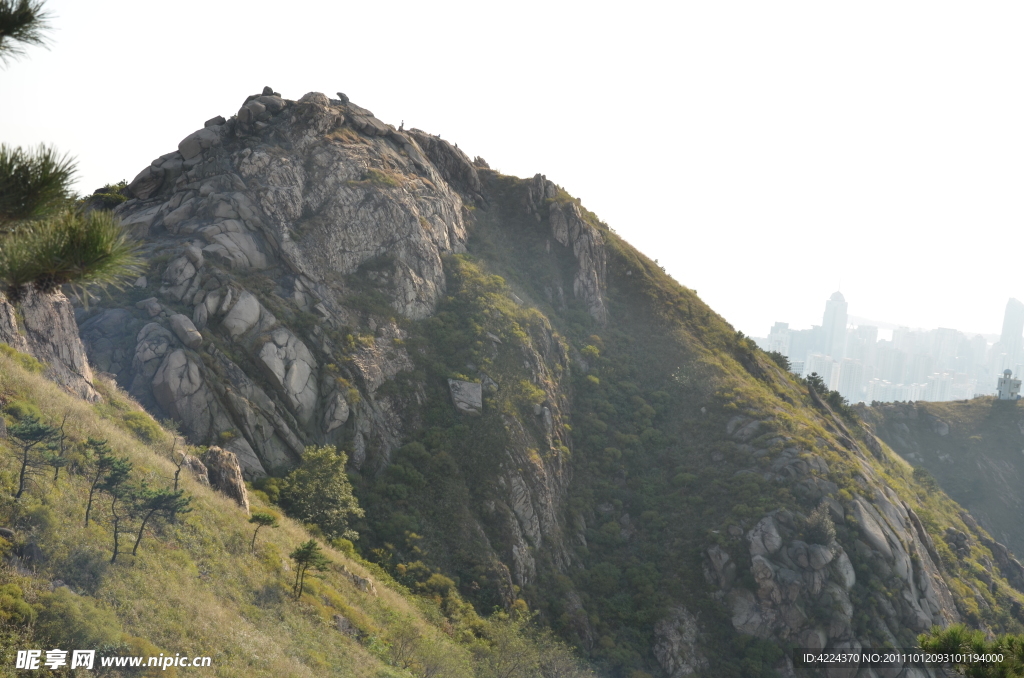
196	587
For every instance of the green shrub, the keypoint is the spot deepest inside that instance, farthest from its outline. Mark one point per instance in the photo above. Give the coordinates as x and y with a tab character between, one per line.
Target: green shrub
779	359
13	608
69	620
26	361
820	528
142	426
20	409
270	487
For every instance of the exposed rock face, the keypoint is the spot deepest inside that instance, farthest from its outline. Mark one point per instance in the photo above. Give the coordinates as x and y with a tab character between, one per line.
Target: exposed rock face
311	192
584	241
225	475
50	334
678	644
802	592
467	396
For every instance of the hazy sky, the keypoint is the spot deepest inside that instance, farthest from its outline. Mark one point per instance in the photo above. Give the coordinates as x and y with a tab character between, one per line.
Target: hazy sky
762	151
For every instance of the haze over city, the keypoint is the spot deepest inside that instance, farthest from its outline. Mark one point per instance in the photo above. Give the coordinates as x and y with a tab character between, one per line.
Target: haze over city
805	146
855	357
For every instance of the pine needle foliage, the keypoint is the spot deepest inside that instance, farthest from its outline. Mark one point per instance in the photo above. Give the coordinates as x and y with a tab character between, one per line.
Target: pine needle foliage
22	23
34	183
306	557
69	248
1004	654
44	241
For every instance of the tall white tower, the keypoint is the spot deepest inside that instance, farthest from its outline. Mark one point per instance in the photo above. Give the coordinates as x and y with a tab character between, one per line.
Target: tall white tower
834	326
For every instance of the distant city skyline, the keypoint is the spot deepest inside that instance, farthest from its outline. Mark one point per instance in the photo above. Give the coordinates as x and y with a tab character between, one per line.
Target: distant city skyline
942	363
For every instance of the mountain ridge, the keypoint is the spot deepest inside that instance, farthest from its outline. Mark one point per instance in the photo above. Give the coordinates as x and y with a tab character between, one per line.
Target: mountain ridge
531	407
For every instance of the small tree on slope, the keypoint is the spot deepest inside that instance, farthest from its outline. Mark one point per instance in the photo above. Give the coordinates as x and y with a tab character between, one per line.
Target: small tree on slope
32	437
307	556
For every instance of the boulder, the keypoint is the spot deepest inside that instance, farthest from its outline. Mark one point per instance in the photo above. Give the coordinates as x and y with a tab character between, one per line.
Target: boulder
242	316
467	396
724	570
225	475
183	328
819	556
200	316
764	537
315	98
177	378
195	255
336	414
151	306
146	183
233	245
196	468
199	141
153	342
176	278
104	335
273	103
346	627
292	369
250	112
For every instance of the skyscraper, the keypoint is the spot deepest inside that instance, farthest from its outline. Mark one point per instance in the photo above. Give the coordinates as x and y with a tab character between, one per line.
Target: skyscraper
778	338
834	326
1013	329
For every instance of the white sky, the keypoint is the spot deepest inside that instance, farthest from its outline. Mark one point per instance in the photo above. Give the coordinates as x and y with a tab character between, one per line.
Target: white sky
762	151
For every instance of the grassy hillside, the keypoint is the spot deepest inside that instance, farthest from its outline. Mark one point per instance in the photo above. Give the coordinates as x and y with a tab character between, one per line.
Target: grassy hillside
195	588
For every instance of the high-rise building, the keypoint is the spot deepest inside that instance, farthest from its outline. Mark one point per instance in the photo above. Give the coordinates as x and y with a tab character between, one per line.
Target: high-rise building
778	338
804	342
851	380
834	326
861	342
892	363
1013	331
944	347
940	387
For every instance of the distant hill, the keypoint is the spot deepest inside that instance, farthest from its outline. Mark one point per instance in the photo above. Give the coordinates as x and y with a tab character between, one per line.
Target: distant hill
974	449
